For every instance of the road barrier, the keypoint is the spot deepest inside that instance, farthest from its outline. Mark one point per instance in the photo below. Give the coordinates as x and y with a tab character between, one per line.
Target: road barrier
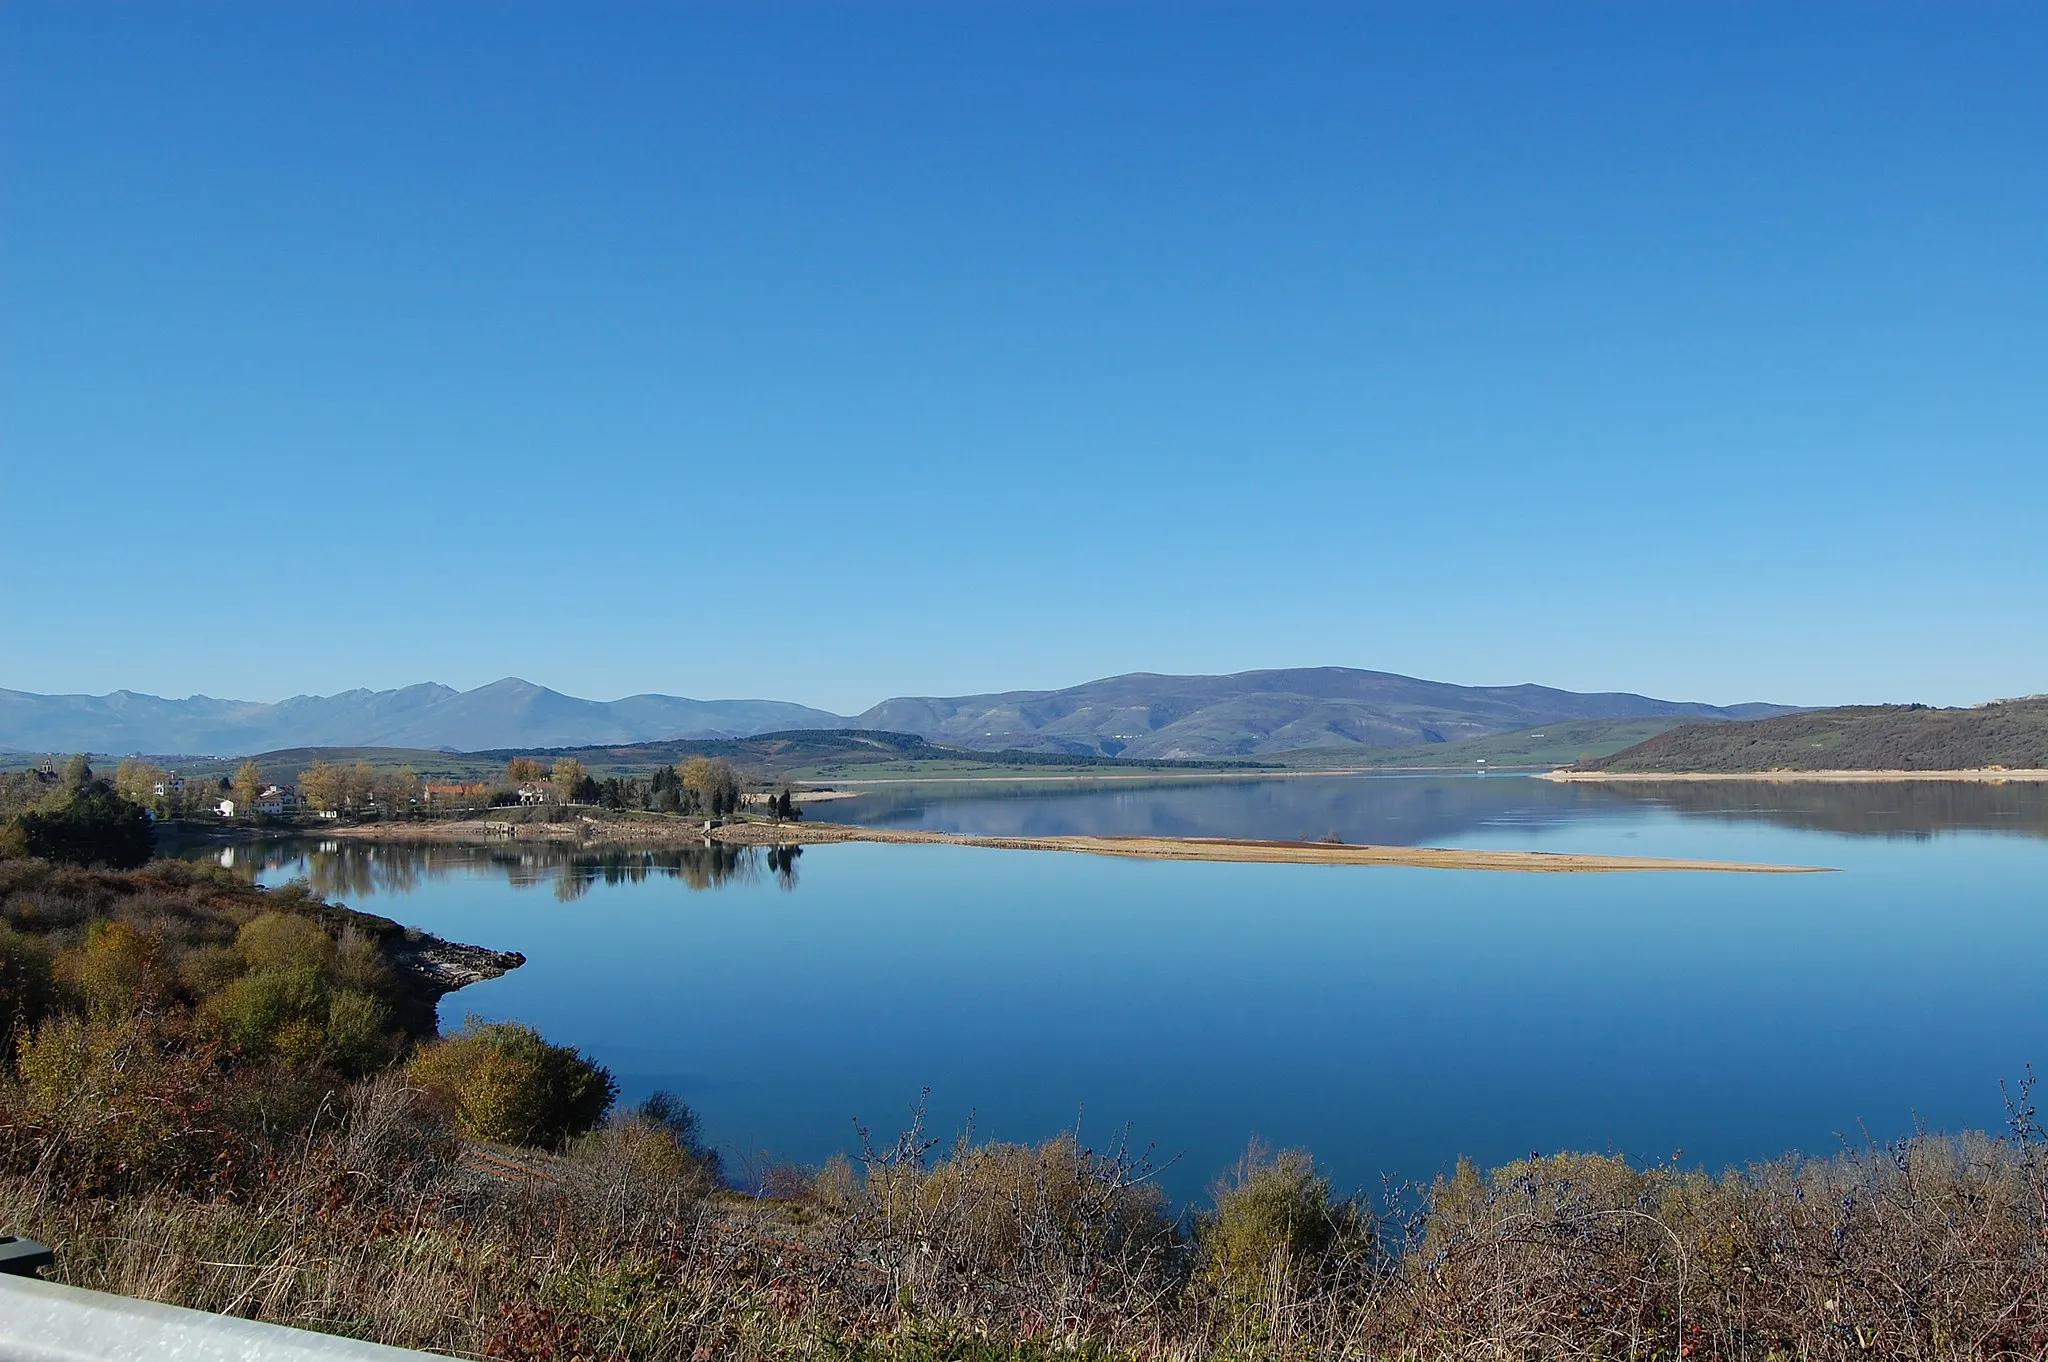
45	1322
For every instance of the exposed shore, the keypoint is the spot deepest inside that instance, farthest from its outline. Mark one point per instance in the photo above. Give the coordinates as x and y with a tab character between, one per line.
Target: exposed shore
1992	775
601	832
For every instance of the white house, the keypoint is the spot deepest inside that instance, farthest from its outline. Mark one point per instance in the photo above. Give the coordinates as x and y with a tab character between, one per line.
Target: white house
225	808
533	792
278	799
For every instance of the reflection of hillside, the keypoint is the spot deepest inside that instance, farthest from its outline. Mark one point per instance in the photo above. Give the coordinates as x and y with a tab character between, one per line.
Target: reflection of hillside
1402	811
343	870
1415	810
1906	808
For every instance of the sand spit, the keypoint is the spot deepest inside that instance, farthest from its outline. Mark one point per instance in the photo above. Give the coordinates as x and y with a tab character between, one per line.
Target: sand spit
1994	775
678	831
1244	849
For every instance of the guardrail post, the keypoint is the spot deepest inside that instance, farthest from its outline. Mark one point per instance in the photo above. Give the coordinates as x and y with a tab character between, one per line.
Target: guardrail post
23	1257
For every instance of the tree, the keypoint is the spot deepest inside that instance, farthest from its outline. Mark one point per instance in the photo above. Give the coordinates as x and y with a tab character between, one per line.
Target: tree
247	785
320	785
94	827
358	782
520	770
77	772
713	785
569	776
395	791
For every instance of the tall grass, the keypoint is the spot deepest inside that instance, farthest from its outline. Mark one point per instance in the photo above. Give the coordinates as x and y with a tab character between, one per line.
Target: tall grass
378	1222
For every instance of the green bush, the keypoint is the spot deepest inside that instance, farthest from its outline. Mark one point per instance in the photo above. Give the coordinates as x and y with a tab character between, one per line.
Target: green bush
285	941
357	1037
1275	1223
503	1082
271	1011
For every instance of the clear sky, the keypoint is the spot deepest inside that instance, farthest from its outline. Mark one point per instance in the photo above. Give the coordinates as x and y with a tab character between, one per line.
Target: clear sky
838	351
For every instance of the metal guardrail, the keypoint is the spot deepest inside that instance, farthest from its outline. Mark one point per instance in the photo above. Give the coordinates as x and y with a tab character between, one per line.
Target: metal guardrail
45	1322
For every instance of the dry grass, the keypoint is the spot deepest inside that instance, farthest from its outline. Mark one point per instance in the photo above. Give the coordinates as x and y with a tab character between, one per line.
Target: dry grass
381	1225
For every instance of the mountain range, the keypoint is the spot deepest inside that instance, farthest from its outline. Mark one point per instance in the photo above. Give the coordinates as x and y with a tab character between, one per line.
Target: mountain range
505	713
1138	715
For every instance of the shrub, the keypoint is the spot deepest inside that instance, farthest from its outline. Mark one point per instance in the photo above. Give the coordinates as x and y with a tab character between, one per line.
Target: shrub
357	1038
285	941
1275	1225
359	962
26	988
111	1104
674	1115
504	1083
271	1010
116	972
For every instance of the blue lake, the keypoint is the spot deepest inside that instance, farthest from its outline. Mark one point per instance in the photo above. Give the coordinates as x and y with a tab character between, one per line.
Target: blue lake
1388	1019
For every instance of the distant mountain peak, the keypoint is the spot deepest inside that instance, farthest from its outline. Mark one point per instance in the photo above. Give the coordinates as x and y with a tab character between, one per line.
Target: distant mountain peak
1136	714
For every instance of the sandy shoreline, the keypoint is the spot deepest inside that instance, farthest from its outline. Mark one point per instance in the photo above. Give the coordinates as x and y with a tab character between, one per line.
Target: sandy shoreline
592	832
1992	775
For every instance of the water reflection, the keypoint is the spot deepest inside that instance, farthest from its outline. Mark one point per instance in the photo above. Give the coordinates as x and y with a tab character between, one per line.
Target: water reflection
342	869
1906	808
1411	810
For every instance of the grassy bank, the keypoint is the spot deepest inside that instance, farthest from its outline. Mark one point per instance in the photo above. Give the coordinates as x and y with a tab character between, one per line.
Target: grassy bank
474	1193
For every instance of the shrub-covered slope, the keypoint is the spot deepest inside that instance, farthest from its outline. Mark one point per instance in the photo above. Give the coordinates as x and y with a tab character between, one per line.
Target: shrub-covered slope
2011	734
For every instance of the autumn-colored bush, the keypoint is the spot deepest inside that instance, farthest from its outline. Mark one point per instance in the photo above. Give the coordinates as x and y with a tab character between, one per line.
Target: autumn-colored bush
503	1082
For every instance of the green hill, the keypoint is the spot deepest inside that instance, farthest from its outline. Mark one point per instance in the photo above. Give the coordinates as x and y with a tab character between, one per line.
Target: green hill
2010	733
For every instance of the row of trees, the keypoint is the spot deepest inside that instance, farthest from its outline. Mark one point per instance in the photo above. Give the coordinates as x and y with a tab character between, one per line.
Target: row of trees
701	785
357	786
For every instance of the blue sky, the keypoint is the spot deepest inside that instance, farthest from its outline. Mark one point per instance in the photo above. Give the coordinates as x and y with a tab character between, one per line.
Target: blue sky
833	352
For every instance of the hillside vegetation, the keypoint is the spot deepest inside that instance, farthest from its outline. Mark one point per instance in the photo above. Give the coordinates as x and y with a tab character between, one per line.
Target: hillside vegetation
2012	734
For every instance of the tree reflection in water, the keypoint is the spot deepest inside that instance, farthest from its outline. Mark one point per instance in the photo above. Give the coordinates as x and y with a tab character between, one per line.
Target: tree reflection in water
343	869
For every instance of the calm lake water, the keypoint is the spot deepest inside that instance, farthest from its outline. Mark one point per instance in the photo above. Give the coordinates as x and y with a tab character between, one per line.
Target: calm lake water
1386	1018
